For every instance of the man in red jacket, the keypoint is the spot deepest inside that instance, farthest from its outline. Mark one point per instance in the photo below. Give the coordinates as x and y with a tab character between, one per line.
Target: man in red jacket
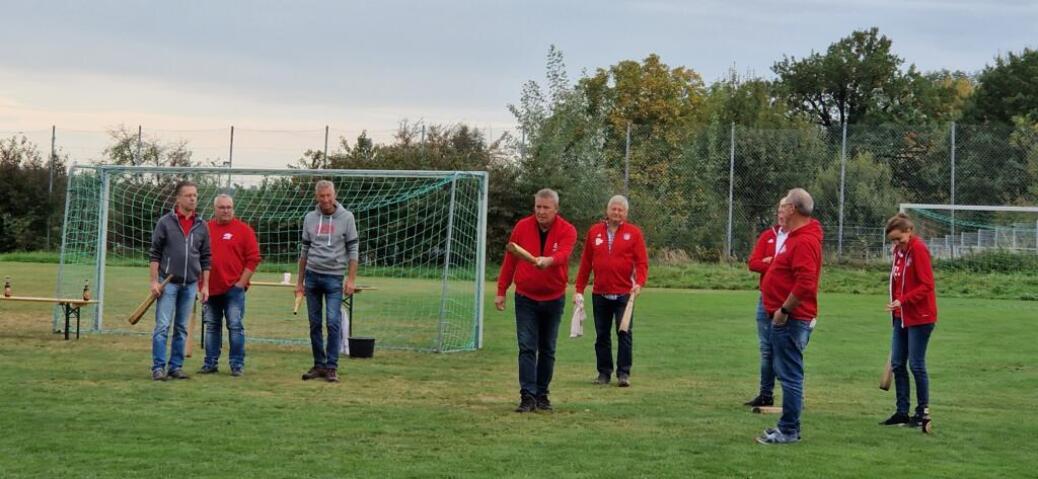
790	291
615	252
236	255
540	294
769	241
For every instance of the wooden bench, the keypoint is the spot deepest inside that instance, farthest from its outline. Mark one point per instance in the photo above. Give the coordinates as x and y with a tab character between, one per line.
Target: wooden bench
70	305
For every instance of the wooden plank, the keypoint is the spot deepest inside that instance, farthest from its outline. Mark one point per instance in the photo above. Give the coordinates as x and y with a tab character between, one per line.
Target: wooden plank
283	285
280	285
33	299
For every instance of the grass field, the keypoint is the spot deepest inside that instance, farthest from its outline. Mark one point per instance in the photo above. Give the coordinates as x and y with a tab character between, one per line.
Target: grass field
87	408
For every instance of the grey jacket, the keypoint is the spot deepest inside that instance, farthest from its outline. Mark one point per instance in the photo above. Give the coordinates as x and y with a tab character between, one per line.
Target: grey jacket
182	256
329	240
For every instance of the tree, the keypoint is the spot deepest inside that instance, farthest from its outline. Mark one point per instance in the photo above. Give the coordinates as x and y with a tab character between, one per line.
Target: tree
129	149
1007	89
859	80
650	94
748	102
26	205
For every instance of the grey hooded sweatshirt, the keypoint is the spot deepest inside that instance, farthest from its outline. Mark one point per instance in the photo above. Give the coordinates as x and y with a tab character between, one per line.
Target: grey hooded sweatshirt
329	240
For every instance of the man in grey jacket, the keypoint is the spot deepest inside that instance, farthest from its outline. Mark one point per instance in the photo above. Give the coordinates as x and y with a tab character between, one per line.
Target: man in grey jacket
180	250
329	238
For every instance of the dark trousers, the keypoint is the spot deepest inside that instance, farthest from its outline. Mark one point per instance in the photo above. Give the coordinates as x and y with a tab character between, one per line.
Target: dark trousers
908	345
608	313
537	329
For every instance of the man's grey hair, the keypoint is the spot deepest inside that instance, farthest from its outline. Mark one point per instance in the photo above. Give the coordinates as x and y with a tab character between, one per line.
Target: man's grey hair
323	185
549	194
619	199
223	195
801	201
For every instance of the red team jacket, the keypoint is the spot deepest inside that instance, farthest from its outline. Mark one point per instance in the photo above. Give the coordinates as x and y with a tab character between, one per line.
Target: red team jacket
234	249
613	269
537	284
765	247
911	282
796	269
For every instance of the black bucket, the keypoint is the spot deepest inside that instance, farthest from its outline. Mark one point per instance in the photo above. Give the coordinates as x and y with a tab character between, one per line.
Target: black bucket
362	347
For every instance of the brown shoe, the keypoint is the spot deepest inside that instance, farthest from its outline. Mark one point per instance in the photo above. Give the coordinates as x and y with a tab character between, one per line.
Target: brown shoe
331	376
314	373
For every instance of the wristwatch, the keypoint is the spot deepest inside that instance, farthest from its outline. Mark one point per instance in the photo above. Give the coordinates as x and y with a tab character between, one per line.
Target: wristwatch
785	311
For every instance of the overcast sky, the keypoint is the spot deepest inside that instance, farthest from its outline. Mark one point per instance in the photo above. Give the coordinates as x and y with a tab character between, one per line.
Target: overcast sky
300	65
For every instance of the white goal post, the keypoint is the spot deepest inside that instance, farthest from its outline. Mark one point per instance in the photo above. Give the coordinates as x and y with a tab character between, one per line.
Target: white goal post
422	233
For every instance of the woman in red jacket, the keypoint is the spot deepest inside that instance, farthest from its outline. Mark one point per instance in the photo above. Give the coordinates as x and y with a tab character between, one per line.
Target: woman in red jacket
913	307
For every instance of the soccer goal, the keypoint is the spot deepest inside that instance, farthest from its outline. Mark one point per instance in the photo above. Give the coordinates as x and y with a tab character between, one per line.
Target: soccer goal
960	230
422	247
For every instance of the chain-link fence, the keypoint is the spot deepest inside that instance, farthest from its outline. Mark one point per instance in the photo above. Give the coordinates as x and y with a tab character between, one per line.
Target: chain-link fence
702	196
710	198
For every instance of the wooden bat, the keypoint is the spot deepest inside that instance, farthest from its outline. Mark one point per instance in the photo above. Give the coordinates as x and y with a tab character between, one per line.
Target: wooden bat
142	308
888	374
190	327
520	253
625	321
299	300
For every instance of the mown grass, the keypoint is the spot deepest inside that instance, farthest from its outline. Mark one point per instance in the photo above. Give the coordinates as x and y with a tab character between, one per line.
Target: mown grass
992	275
88	409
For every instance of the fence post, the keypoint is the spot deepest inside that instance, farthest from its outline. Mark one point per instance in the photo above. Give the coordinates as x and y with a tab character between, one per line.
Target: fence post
522	145
50	179
140	140
843	173
627	160
952	156
230	151
325	157
731	191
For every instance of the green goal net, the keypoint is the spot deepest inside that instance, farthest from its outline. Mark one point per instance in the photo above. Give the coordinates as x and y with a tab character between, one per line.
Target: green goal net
422	247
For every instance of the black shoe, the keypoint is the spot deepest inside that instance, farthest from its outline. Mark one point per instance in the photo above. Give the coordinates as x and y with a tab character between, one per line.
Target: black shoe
602	379
314	373
526	404
178	374
760	400
237	372
623	381
898	419
159	375
543	403
208	370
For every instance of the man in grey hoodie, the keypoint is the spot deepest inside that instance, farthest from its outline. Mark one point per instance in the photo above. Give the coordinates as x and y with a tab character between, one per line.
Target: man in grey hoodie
329	238
179	250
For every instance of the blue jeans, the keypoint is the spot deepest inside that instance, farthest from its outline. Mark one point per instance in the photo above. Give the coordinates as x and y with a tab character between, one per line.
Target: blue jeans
229	306
537	329
608	313
767	372
324	291
788	343
174	306
909	345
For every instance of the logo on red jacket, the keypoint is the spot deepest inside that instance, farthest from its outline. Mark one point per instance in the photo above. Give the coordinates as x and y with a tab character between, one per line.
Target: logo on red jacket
598	241
555	247
627	236
227	236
